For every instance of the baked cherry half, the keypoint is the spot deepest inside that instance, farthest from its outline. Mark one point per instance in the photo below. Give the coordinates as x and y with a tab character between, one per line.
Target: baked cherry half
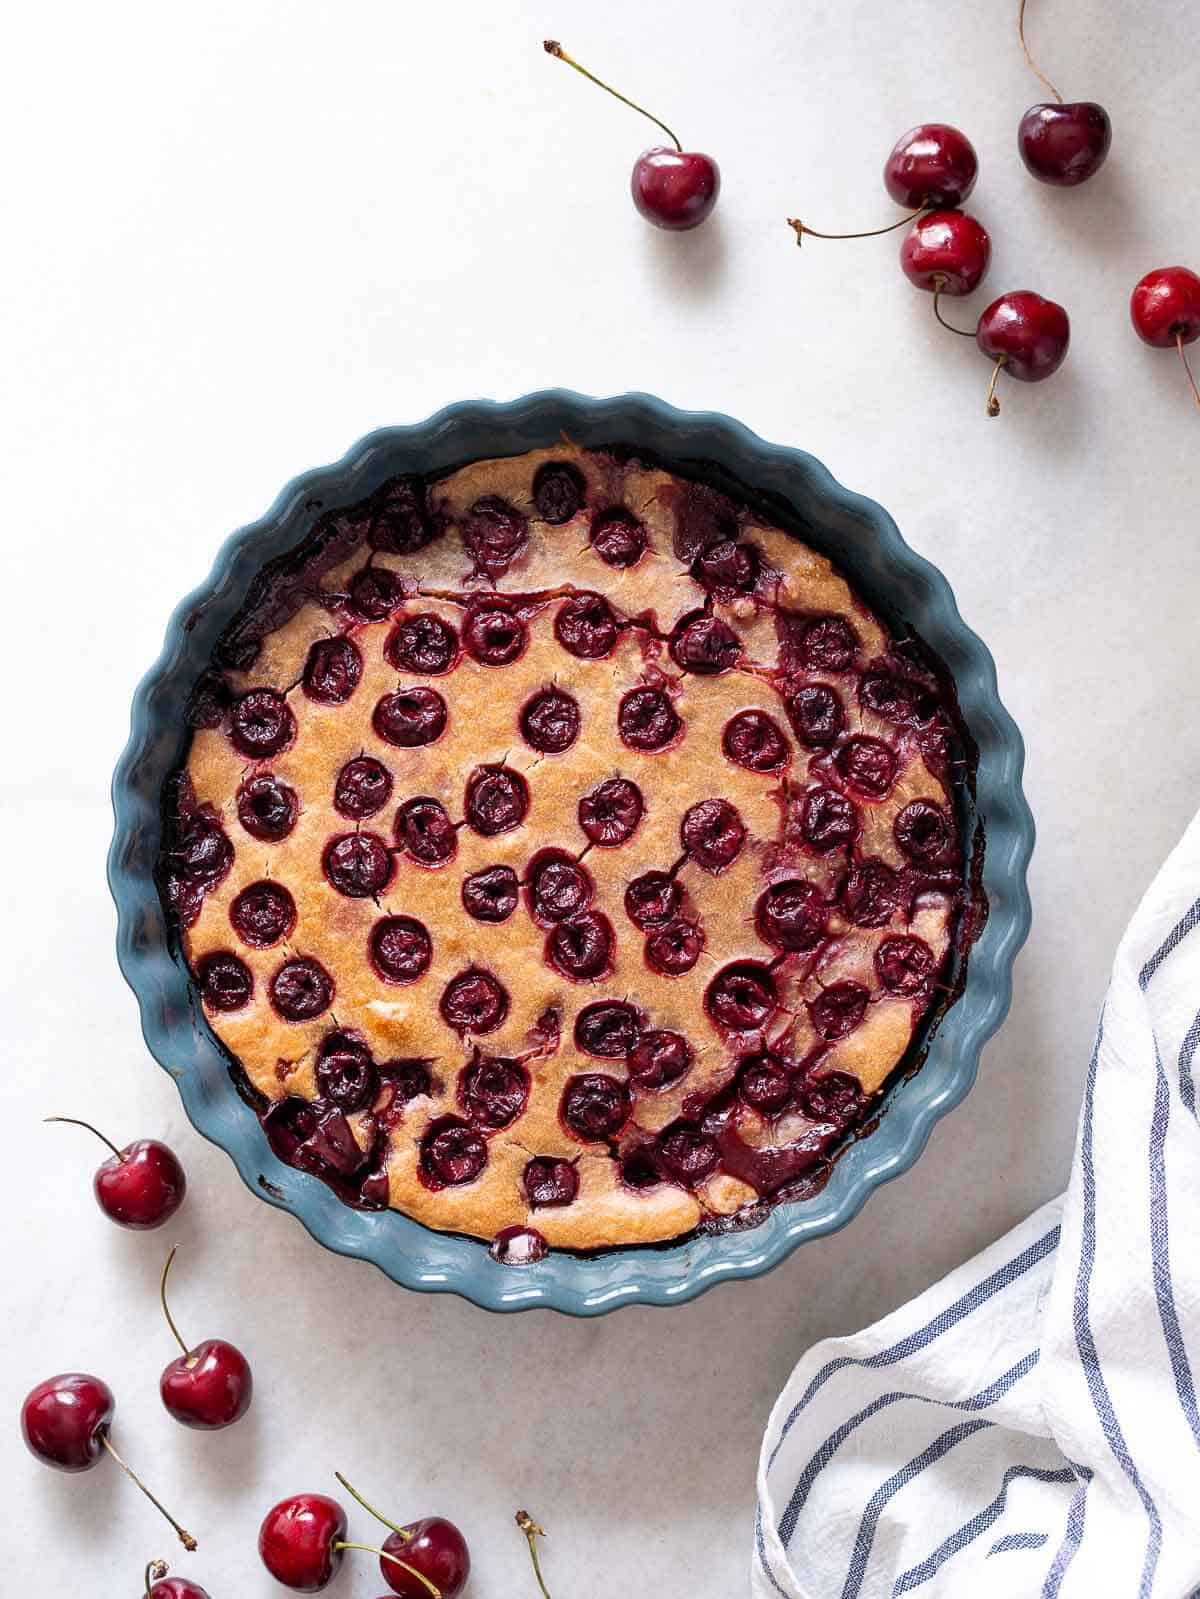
423	643
346	1074
832	1096
658	1060
824	819
401	521
868	766
425	832
610	812
209	1386
493	1092
363	787
400	949
549	1181
493	633
675	948
609	1029
225	981
686	1154
301	989
559	491
838	1009
821	644
550	721
559	887
904	964
140	1186
375	592
494	533
263	914
870	894
754	740
587	627
496	800
452	1153
474	1002
728	569
582	947
703	644
358	865
653	899
267	807
817	716
765	1084
618	538
491	895
647	720
410	718
923	831
332	671
713	833
261	724
791	915
741	998
595	1107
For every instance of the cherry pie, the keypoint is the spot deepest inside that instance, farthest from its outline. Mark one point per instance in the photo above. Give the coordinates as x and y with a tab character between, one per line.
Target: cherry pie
564	854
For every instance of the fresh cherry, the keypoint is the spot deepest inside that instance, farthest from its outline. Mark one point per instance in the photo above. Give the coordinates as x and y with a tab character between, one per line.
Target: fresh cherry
945	252
1024	335
436	1555
1165	309
209	1386
140	1186
301	1541
1061	143
65	1422
159	1585
931	166
673	188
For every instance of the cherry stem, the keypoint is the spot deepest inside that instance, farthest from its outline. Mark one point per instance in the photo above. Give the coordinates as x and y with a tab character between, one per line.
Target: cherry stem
801	228
185	1538
162	1295
963	333
1029	61
1186	366
532	1533
992	404
383	1554
155	1572
70	1121
400	1532
553	48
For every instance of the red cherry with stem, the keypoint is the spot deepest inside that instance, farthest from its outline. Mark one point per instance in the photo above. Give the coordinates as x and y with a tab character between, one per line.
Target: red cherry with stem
673	188
945	252
932	166
1165	309
427	1557
532	1533
1062	143
209	1386
65	1422
301	1541
1026	336
159	1585
141	1186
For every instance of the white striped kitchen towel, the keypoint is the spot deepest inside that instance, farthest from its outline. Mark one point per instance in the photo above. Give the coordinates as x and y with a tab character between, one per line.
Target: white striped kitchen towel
1029	1426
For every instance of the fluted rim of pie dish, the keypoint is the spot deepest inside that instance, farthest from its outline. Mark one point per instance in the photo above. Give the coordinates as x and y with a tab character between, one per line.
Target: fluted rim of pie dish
863	541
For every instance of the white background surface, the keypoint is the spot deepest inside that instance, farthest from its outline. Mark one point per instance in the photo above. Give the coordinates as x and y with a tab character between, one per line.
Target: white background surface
239	236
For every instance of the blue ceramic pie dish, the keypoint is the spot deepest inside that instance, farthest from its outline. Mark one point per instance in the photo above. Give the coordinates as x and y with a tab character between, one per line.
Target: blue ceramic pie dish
799	495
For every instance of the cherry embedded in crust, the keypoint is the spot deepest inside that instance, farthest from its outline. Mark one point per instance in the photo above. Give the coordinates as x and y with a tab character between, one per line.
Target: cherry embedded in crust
559	491
932	164
741	997
647	720
896	699
838	1009
496	800
756	741
261	724
826	644
225	981
358	865
653	899
550	721
791	915
424	644
425	832
675	948
301	989
705	645
868	766
407	1079
434	1547
345	1072
675	189
945	252
493	1092
410	718
363	787
610	812
904	964
827	820
559	887
332	671
201	852
1064	144
299	1540
595	1107
658	1060
608	1029
686	1155
870	894
817	716
549	1181
833	1096
64	1419
764	1083
452	1152
586	627
474	1002
267	807
923	830
728	569
262	914
618	538
494	532
1030	333
704	518
493	634
581	948
491	895
209	702
713	834
375	592
639	1168
402	522
400	949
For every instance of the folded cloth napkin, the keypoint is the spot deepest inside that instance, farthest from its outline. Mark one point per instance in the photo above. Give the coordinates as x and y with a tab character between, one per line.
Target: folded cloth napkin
1029	1426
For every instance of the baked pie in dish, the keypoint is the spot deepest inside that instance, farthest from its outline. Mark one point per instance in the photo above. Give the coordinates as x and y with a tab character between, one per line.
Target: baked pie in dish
566	856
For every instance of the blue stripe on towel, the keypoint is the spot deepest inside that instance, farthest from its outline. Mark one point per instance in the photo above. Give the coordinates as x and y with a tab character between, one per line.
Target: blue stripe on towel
1018	1540
1187	1053
1072	1537
978	1524
886	1491
760	1543
1186	924
1160	1249
1086	1343
1000	1279
980	1401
